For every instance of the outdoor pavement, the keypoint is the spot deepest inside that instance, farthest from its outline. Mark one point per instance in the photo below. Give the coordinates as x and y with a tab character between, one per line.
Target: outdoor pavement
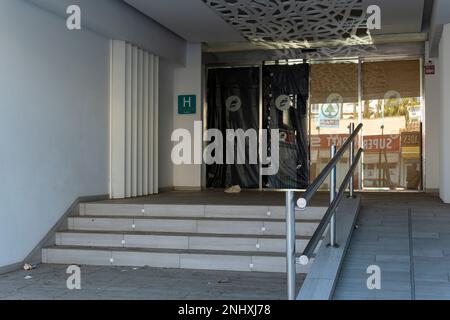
114	283
408	237
406	234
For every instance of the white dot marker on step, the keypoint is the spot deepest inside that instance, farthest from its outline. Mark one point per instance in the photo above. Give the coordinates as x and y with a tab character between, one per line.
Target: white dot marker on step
123	241
143	210
268	213
263	229
133	226
111	260
258	246
251	266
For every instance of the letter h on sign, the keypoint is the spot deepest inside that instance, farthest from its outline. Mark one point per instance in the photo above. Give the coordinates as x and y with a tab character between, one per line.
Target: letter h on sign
187	104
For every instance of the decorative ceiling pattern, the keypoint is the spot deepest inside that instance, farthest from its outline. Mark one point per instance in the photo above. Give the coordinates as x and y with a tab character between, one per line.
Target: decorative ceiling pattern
282	24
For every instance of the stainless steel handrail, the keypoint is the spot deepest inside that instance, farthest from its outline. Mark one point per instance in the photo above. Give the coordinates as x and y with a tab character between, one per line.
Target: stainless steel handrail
312	244
329	217
315	185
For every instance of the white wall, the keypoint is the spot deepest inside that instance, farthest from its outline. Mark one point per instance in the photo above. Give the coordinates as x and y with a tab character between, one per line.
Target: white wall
166	120
444	67
117	20
188	81
54	89
432	134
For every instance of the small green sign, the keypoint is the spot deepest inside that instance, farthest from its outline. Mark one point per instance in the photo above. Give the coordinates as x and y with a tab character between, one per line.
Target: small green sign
187	104
329	116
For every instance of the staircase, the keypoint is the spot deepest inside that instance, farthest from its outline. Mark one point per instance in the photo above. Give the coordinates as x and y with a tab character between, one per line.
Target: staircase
212	237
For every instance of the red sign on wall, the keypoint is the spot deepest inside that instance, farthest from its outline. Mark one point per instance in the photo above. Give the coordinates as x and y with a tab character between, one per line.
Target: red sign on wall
388	143
371	144
430	69
325	141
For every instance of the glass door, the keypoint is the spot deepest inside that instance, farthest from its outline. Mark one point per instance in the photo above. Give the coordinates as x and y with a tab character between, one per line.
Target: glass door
392	117
233	104
285	99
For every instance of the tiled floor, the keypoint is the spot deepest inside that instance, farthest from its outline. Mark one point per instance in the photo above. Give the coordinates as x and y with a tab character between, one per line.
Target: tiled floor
408	237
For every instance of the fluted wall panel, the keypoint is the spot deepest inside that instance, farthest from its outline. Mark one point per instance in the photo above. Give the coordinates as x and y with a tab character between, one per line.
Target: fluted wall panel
134	121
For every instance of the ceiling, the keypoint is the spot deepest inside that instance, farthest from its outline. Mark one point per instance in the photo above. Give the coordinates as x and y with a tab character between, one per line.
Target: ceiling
190	19
236	25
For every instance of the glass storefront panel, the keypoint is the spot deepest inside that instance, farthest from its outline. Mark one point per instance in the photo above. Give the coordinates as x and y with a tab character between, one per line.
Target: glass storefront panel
390	110
392	116
333	106
233	103
285	107
384	95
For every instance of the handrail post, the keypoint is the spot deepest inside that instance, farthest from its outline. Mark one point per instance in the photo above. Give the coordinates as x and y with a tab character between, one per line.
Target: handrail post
290	244
332	196
351	156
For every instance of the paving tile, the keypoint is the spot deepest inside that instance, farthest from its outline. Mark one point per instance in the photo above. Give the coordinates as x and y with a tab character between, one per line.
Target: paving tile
431	249
425	235
433	289
427	252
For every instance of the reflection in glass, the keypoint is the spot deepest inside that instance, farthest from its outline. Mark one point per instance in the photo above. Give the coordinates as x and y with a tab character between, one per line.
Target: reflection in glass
392	118
390	110
333	106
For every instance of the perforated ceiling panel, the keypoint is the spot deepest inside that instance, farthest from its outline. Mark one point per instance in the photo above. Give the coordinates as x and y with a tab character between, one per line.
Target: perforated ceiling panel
282	24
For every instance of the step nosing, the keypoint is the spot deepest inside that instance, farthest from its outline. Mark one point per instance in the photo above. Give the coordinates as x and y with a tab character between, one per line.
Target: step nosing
168	251
203	218
179	234
112	203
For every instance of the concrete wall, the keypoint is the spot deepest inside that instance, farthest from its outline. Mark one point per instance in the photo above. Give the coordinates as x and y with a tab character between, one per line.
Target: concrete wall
444	67
188	81
117	20
432	134
440	17
54	122
54	119
166	120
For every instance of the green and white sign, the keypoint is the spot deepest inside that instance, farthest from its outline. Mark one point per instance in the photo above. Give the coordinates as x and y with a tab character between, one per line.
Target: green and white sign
330	112
187	104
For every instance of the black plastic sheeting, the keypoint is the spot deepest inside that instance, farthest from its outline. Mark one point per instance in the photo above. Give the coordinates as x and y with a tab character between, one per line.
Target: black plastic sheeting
285	97
233	103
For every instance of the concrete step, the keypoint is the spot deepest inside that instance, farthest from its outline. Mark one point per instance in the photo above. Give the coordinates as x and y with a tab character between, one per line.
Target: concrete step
169	258
190	225
214	237
181	241
205	211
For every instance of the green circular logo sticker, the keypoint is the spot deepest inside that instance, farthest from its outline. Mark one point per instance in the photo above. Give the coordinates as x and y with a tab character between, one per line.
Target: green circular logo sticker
330	110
